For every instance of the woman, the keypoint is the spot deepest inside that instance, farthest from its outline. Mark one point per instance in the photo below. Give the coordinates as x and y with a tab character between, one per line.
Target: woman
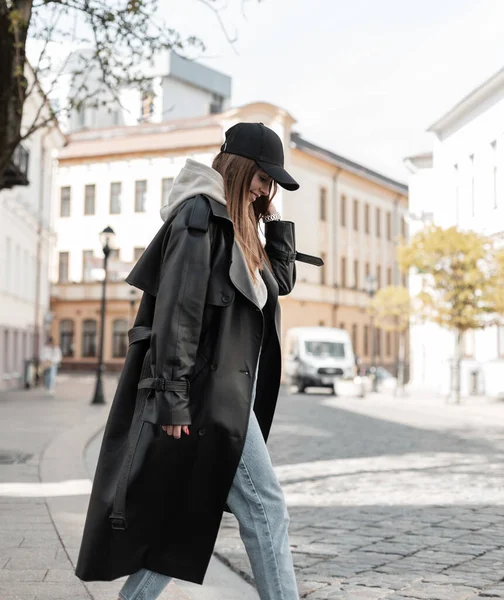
50	358
185	439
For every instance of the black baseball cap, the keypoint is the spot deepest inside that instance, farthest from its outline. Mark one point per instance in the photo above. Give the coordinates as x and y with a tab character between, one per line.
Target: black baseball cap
261	144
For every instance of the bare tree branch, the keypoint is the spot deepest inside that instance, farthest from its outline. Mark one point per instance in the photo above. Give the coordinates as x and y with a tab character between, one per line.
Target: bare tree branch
217	12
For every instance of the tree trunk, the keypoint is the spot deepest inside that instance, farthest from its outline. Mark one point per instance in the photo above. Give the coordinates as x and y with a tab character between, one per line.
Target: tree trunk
14	22
400	362
457	359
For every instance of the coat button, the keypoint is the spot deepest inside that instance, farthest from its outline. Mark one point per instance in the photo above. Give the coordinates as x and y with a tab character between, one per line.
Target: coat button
213	367
201	431
225	298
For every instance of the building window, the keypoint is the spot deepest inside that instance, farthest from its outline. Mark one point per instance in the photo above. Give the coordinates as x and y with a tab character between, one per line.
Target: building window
356	274
356	215
366	340
367	270
500	341
404	230
343	201
389	276
354	337
89	199
343	272
378	277
471	158
115	198
494	174
137	253
140	195
378	222
87	264
378	343
63	267
217	104
67	337
342	325
65	197
89	338
166	187
388	344
15	351
323	273
389	226
6	351
366	218
119	338
323	204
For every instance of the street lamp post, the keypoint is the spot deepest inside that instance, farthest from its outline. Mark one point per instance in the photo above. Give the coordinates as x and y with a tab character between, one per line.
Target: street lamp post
133	297
371	286
106	238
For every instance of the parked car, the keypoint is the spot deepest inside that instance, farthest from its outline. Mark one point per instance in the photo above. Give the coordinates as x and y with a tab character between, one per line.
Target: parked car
316	356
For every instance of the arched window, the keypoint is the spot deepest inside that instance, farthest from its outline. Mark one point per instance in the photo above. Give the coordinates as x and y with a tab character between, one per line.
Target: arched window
67	337
89	338
119	338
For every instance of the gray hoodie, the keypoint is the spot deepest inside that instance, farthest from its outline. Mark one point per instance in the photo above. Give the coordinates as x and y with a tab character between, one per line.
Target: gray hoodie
196	178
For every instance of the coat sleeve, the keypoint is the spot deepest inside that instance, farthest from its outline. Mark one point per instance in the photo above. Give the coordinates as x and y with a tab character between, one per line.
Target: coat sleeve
177	321
281	250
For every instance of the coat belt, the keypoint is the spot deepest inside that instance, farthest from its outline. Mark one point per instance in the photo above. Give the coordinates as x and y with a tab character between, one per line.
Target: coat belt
164	385
293	256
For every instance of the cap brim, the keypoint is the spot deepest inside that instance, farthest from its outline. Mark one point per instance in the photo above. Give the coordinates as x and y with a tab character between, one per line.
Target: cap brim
280	175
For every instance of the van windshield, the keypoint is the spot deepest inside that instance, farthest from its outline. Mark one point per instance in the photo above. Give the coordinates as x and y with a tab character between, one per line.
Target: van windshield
325	349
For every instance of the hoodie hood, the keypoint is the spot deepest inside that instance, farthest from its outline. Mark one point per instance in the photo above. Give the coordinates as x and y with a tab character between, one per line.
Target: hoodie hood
195	178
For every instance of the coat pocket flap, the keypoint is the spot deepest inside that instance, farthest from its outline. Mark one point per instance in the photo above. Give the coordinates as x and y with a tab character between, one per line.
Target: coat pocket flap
220	294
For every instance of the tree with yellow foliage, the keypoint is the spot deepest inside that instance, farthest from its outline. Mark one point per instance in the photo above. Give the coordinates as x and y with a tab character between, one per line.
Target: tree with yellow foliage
461	282
392	308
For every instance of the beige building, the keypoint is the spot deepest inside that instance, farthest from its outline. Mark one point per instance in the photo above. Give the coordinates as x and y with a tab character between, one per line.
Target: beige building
121	176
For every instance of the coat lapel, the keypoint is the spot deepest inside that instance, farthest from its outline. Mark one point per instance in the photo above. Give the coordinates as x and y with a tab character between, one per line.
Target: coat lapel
238	271
240	276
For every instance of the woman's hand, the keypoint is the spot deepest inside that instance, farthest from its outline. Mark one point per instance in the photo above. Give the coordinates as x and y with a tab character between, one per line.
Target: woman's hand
175	430
271	209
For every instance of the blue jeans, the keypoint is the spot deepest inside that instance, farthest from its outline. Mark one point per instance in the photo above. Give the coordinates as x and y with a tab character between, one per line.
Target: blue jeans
257	501
50	377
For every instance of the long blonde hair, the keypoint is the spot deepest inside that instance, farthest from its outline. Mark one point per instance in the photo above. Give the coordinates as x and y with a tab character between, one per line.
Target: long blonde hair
237	173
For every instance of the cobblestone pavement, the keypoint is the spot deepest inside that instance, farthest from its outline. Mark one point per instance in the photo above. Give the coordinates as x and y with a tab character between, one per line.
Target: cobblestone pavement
393	498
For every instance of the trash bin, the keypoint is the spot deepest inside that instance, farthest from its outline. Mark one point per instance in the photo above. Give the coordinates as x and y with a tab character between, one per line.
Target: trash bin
29	373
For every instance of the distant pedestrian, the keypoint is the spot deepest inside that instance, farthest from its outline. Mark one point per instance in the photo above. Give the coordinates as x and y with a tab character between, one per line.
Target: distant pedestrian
50	359
190	443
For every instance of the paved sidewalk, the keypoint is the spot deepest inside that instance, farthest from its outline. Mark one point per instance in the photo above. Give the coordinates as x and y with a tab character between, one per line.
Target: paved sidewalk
44	490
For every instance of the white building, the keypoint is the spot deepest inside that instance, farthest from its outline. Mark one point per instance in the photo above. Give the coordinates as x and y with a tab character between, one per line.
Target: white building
462	183
25	240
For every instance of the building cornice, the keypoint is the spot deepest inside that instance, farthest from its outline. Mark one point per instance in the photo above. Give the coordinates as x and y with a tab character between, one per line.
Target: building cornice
481	98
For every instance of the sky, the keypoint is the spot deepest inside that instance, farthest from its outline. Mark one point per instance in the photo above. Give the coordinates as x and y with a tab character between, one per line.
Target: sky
363	78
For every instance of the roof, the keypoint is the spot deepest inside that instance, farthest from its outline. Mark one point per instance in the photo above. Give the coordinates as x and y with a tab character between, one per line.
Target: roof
481	98
199	75
197	132
419	161
348	165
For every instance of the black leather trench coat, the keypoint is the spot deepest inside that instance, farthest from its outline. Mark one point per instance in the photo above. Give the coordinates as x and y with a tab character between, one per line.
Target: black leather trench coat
157	502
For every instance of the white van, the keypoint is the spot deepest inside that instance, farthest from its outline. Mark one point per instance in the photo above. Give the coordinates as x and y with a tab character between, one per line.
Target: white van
316	356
